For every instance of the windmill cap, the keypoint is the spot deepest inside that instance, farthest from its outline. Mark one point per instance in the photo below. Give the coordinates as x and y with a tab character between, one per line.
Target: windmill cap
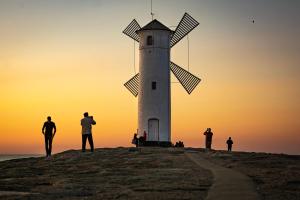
154	25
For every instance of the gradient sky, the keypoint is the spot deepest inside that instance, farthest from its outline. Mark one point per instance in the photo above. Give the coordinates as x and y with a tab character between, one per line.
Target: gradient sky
62	58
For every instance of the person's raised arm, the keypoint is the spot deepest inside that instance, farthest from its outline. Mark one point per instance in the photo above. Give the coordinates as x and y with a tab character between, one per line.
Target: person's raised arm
93	121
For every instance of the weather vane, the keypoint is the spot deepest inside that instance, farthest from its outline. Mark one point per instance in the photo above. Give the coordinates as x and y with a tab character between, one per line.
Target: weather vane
152	14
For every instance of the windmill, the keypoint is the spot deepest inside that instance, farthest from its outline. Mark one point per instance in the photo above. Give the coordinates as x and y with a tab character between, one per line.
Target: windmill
152	83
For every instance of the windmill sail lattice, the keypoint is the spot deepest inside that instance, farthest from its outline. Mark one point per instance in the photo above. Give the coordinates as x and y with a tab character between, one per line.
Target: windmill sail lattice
133	85
186	25
187	80
131	29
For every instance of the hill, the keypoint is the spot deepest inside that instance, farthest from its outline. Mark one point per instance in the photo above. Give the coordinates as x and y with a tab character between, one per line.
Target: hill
120	173
150	173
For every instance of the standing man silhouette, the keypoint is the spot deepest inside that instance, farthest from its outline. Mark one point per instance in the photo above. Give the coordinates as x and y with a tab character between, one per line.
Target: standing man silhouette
86	124
208	138
229	144
47	130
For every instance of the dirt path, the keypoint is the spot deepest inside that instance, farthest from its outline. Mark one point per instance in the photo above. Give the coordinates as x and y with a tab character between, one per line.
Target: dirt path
228	184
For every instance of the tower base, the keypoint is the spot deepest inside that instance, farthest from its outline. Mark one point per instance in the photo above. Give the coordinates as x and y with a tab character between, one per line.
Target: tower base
157	144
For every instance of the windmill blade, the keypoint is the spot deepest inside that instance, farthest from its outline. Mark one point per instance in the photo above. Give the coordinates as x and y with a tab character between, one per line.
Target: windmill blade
133	85
131	29
186	25
187	80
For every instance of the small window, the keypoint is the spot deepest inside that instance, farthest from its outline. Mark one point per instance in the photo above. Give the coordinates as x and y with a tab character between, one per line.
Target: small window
149	40
153	85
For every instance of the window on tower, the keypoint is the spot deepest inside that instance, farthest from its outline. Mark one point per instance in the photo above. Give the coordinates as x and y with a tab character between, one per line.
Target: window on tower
149	40
153	85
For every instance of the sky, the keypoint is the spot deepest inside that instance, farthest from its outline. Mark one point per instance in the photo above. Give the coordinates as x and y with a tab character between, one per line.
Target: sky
63	58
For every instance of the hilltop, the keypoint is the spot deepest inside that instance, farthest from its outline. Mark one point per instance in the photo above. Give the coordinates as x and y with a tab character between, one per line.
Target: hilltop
145	173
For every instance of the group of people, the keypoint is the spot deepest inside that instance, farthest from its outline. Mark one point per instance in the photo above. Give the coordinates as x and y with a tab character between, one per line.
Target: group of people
208	140
139	141
49	131
179	144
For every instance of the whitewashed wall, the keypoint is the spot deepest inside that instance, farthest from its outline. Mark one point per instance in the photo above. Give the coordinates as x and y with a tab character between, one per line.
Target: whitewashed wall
154	66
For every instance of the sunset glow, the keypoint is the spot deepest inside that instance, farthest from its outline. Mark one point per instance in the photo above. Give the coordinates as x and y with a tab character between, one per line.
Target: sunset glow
63	58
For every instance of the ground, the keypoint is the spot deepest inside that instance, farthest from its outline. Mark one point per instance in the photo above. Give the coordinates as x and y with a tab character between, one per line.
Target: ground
120	173
147	173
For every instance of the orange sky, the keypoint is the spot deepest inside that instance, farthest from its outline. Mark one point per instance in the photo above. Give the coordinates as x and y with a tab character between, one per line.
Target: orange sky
62	58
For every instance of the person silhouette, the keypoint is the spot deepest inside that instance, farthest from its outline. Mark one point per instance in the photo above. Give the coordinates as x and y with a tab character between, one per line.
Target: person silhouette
48	132
208	138
135	140
142	139
229	144
145	136
86	124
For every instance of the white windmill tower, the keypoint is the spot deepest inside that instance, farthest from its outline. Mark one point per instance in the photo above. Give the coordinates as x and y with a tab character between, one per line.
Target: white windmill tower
152	83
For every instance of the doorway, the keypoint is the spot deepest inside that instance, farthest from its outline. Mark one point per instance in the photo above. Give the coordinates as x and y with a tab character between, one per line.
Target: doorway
153	129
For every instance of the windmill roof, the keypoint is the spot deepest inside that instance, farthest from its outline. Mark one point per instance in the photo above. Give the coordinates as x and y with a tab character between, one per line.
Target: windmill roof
154	25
